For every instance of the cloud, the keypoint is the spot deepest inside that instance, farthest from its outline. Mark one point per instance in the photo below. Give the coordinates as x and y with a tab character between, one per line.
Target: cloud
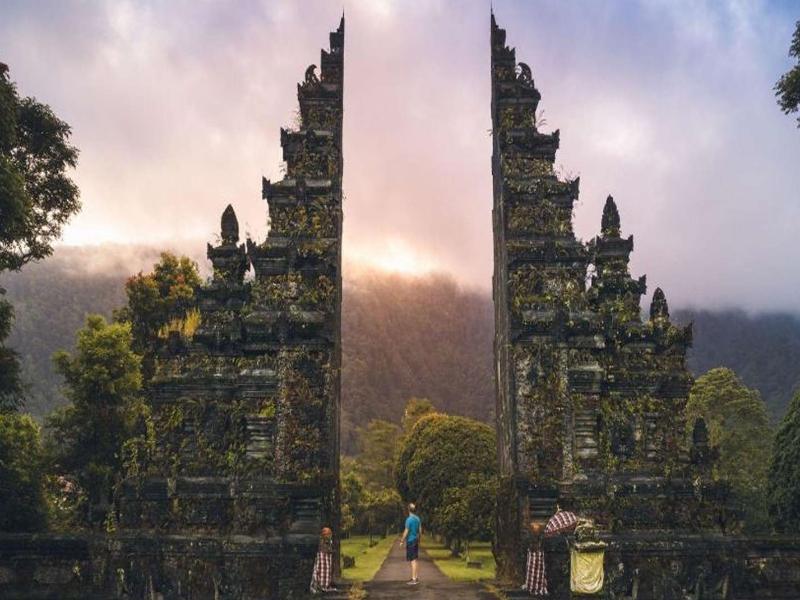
667	105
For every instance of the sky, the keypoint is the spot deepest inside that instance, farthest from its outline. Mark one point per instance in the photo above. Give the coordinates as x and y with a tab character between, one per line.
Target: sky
665	104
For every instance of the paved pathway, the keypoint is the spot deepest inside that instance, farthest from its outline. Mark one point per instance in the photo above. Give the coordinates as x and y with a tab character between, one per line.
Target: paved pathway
389	582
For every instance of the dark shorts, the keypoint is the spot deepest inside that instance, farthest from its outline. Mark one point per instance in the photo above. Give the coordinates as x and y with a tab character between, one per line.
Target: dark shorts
412	550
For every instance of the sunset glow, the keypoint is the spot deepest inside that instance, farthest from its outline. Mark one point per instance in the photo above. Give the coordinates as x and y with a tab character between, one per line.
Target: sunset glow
395	256
177	108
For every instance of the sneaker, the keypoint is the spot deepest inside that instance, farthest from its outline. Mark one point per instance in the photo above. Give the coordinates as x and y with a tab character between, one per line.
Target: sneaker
412	582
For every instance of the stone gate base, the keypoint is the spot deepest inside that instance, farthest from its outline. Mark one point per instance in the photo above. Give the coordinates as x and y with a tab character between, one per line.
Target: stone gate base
670	566
87	567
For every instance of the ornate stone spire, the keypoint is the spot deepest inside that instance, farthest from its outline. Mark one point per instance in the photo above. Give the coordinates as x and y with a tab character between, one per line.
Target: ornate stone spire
609	226
701	454
700	432
612	285
658	306
544	265
229	226
229	260
514	95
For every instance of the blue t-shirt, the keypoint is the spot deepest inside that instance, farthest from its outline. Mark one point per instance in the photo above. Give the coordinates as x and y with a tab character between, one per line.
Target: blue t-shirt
412	524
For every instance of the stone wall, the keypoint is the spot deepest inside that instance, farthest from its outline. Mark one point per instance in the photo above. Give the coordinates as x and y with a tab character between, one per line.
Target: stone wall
669	566
140	566
34	566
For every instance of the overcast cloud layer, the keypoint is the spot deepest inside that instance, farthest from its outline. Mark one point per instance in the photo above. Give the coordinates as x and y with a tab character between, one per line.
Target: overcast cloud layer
666	104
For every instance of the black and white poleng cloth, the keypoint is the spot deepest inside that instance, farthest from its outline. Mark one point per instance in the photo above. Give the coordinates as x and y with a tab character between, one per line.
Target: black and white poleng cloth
323	572
535	577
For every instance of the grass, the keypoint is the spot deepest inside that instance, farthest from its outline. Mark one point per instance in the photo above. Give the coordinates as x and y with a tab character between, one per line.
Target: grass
455	567
368	560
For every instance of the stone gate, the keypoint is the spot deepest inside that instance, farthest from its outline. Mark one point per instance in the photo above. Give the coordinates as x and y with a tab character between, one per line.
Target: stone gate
590	396
243	472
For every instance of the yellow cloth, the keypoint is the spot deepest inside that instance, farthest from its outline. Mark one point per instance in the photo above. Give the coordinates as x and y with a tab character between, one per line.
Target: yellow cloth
586	572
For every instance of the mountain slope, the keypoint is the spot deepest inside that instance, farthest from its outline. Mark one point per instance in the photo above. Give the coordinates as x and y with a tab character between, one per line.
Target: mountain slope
401	337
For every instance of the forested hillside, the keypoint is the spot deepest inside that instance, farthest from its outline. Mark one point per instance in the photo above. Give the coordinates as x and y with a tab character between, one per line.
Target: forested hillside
402	337
414	337
51	299
763	349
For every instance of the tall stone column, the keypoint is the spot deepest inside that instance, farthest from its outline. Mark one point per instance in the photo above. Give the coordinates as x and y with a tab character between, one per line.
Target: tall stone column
244	465
589	396
538	286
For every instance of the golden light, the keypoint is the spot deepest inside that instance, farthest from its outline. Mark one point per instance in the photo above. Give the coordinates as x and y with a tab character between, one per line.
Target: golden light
393	256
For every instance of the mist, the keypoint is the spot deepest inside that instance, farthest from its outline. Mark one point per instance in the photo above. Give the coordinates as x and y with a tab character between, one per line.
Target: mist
668	106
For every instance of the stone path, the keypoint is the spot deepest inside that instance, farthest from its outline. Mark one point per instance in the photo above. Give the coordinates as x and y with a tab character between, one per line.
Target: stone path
390	581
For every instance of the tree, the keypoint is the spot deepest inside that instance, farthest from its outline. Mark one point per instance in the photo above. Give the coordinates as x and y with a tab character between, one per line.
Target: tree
103	382
36	195
739	427
11	388
373	511
468	513
36	200
22	499
352	492
383	511
784	472
415	409
157	301
378	444
787	89
443	453
405	455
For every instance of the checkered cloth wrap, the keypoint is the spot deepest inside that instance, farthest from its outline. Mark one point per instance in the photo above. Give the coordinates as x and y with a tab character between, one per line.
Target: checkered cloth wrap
535	577
562	521
323	572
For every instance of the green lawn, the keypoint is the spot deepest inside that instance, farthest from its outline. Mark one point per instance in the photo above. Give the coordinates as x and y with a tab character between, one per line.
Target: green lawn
368	560
456	567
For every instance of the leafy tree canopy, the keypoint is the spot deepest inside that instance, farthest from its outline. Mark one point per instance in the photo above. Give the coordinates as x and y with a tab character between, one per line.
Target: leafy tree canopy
103	382
383	511
415	409
22	499
352	492
739	427
37	197
36	200
787	89
11	388
443	452
784	473
373	510
468	513
378	444
159	301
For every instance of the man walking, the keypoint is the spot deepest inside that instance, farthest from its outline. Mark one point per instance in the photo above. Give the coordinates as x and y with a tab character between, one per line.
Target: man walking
411	536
